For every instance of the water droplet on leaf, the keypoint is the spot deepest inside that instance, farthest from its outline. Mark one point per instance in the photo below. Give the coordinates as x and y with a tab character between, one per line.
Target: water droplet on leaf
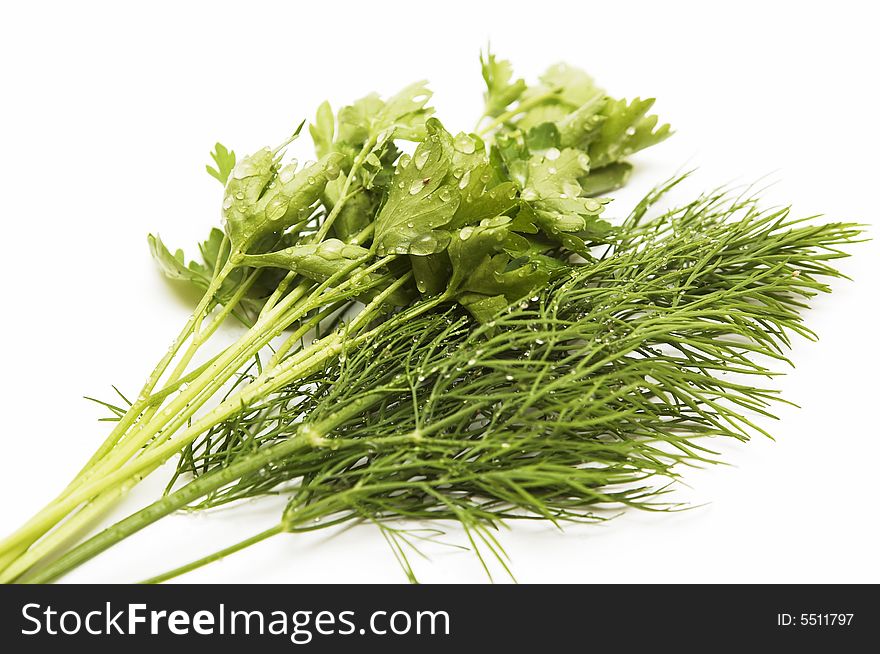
464	143
421	158
416	186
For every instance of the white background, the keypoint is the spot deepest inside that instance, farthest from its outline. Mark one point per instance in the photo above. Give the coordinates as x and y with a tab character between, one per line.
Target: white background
108	114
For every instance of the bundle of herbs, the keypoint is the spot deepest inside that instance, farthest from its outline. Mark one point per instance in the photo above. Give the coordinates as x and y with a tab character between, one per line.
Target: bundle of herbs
486	347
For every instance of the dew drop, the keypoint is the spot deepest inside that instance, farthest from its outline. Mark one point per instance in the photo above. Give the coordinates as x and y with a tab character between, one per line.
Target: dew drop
239	196
421	158
331	170
277	208
466	232
227	201
552	154
465	180
287	174
464	143
445	194
416	186
529	195
311	180
404	160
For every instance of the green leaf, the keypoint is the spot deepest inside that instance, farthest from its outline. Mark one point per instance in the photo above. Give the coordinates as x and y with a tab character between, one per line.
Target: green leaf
260	199
553	191
511	151
224	160
431	272
500	90
423	198
543	137
173	265
485	192
323	129
356	119
574	86
405	113
606	179
198	274
472	245
402	116
554	175
482	270
483	307
563	89
581	126
625	129
499	275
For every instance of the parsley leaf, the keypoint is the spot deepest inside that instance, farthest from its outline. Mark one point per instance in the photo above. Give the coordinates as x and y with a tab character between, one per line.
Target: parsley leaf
500	90
625	129
422	198
225	162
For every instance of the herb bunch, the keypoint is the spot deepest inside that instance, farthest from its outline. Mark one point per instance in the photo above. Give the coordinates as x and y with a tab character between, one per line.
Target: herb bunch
590	394
478	220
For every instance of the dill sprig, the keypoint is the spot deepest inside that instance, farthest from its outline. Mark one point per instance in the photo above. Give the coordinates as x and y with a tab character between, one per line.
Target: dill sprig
589	394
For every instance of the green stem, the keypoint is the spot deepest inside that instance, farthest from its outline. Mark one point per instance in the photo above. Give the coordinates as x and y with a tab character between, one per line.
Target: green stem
121	468
343	193
143	397
216	556
26	557
306	436
9	553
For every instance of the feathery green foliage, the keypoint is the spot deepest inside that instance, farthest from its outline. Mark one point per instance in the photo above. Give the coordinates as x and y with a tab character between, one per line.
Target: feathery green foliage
487	346
590	394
